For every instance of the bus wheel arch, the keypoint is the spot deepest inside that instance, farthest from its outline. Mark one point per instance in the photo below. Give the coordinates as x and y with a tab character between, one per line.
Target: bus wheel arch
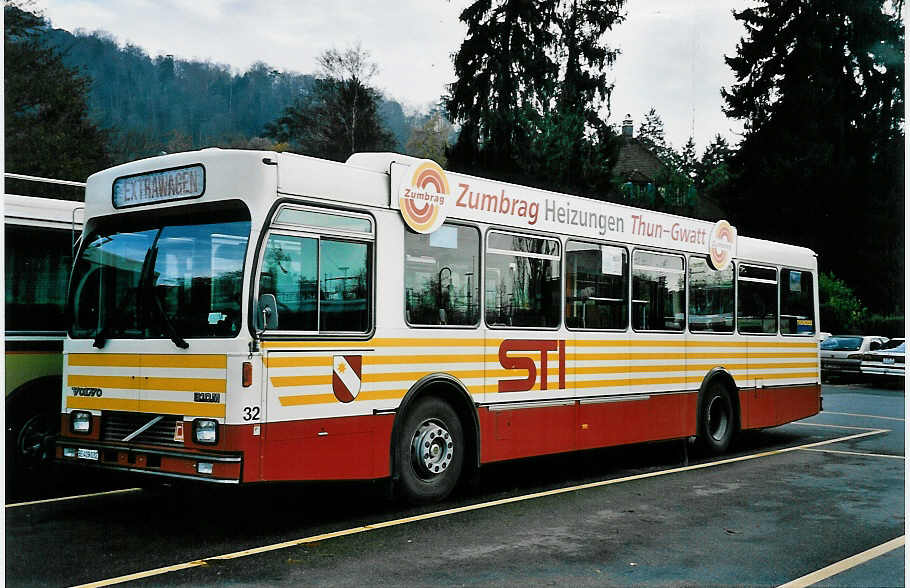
428	401
718	416
32	409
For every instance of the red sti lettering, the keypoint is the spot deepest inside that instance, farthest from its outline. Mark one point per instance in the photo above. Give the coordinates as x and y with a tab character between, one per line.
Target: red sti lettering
541	346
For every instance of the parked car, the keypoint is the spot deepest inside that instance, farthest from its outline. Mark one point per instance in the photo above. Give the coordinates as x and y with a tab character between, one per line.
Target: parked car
841	355
887	361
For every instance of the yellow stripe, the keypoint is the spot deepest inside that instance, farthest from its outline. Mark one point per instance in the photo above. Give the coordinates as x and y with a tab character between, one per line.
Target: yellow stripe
196	409
408	359
141	360
307	361
140	383
286	381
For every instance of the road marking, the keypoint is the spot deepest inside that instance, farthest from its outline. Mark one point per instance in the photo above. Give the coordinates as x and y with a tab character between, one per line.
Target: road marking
64	498
845	564
867	416
840	427
857	453
463	509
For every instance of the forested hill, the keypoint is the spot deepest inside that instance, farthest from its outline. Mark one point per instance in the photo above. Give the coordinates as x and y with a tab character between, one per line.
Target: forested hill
153	104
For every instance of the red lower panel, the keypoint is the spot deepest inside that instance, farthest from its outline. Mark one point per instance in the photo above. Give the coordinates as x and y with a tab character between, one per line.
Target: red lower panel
352	448
509	434
769	407
663	416
512	434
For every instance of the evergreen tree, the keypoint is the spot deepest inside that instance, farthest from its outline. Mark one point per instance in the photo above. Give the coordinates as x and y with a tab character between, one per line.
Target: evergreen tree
819	86
48	132
651	134
575	148
340	116
688	160
504	73
712	171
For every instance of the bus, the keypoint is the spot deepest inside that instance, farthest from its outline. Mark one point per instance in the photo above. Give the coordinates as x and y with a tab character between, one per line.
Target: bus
243	316
39	238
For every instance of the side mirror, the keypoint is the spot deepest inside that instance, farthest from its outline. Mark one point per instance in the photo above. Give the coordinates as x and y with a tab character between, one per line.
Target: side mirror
267	317
875	346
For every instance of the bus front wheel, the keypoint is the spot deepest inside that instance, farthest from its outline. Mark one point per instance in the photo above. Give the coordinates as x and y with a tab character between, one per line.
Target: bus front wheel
717	422
430	451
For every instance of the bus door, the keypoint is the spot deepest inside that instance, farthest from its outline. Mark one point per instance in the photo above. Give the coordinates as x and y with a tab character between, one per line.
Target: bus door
529	392
597	312
315	287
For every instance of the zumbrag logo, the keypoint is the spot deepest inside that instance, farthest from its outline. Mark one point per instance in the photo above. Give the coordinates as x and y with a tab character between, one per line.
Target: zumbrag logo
422	197
722	244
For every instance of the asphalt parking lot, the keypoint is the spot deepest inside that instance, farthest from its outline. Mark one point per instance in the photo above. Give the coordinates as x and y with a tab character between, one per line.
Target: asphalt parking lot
825	494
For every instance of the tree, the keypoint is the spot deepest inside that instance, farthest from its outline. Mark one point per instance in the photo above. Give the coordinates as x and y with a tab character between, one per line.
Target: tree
688	160
819	86
504	72
431	139
340	116
841	310
48	130
575	147
651	134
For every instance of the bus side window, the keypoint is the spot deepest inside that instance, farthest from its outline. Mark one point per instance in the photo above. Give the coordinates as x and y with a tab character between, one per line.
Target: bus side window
523	281
597	286
757	310
797	303
289	272
440	276
711	297
658	291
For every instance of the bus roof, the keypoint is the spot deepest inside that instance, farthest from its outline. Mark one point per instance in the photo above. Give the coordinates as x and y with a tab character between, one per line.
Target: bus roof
42	212
380	179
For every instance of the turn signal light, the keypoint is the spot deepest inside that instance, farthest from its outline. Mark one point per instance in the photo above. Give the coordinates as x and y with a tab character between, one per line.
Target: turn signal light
247	374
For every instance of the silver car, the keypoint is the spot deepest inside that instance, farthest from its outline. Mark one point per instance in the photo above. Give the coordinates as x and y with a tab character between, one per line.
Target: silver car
889	361
841	355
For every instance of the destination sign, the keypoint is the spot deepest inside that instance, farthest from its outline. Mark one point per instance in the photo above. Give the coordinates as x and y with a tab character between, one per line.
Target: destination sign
159	186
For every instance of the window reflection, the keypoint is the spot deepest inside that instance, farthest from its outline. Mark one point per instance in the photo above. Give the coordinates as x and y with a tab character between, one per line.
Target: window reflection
658	292
711	298
596	286
522	281
441	279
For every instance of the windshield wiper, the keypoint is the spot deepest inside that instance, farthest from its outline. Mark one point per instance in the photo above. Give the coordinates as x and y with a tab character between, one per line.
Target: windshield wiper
150	291
101	336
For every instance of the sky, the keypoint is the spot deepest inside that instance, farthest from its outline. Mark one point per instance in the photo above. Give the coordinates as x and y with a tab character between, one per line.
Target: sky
671	50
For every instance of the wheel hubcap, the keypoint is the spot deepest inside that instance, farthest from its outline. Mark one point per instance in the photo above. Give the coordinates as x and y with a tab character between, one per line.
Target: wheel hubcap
432	449
718	418
31	439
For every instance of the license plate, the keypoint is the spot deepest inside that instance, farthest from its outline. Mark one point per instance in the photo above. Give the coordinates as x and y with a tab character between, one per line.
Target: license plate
888	360
87	454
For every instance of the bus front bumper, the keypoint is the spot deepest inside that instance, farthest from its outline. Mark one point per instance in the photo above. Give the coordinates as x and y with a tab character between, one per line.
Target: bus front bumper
200	466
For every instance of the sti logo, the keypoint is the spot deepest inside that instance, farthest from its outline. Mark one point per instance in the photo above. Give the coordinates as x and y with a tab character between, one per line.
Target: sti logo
536	348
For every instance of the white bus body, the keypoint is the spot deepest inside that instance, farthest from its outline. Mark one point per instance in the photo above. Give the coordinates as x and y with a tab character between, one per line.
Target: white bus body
325	339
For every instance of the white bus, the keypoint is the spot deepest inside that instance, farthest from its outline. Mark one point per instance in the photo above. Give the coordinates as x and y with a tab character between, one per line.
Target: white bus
39	237
244	316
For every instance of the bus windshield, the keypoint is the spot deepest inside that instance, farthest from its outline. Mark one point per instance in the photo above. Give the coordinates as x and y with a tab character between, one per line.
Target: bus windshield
172	277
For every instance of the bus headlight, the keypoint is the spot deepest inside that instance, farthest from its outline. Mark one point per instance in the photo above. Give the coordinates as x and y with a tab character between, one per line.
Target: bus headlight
205	431
81	421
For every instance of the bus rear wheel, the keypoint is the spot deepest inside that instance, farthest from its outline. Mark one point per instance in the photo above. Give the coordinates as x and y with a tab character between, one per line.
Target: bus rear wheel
717	422
430	451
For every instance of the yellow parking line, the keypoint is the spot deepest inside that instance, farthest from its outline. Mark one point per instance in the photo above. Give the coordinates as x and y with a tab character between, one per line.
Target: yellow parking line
865	416
64	498
839	427
462	509
857	453
845	564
